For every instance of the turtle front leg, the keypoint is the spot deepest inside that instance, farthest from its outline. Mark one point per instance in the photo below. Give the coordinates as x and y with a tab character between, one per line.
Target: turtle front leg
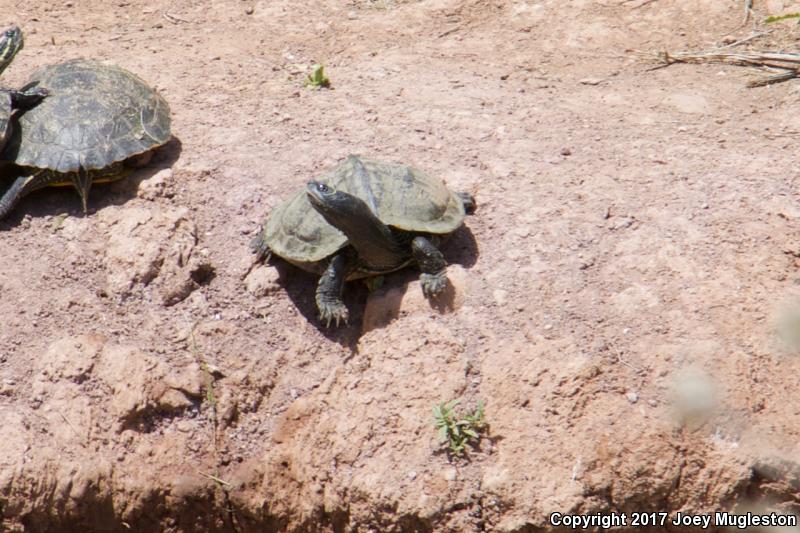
19	188
432	264
329	291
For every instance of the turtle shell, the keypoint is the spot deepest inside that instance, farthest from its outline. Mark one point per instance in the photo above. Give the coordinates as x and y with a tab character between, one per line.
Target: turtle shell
6	108
400	196
95	115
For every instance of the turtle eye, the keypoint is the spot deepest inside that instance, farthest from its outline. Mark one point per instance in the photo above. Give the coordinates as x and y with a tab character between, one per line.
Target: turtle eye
324	189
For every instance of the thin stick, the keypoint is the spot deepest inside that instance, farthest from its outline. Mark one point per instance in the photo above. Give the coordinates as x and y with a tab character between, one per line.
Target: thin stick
750	58
74	429
172	18
746	39
777	78
448	32
214	478
748	10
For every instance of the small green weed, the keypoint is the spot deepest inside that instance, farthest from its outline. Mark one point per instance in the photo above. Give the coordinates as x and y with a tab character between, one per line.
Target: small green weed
458	429
317	78
778	18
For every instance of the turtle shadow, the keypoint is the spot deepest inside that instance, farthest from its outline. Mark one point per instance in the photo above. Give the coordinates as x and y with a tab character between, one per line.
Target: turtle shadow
52	201
460	248
301	288
123	190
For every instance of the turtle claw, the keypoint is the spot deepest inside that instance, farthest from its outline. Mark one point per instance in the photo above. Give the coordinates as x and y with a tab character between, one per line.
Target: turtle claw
335	311
432	284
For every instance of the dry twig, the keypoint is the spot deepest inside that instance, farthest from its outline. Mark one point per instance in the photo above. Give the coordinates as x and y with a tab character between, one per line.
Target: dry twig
785	62
172	18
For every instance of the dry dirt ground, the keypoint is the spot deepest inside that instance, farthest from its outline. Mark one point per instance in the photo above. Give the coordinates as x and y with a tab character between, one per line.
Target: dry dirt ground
616	297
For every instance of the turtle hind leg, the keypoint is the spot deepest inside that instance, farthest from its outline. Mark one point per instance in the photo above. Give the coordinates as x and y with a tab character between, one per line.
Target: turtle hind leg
259	246
329	291
432	264
469	202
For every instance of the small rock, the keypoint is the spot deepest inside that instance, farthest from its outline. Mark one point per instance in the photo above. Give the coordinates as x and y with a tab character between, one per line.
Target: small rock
71	358
450	474
412	475
632	397
158	185
186	486
591	81
500	296
566	151
262	280
188	379
495	479
179	283
141	242
173	400
248	10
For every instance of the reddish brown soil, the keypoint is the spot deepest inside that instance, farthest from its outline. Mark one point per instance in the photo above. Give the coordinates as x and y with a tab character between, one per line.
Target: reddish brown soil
615	298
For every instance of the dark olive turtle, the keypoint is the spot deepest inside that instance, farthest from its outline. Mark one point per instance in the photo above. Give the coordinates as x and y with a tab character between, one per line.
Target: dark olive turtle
361	219
11	42
97	121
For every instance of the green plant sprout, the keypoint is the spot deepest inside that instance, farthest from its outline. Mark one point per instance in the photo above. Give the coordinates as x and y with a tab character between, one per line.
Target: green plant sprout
457	430
317	78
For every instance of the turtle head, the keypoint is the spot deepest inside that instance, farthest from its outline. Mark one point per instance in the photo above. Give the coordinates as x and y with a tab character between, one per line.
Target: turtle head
371	238
10	43
334	205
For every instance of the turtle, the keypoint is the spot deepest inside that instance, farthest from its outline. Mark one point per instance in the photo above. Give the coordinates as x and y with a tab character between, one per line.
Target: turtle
11	42
97	122
364	218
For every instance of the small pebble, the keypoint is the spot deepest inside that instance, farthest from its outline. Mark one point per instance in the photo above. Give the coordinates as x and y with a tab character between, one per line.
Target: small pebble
632	397
566	151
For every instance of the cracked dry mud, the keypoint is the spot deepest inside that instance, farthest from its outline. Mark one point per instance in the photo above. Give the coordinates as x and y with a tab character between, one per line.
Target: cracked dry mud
614	300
